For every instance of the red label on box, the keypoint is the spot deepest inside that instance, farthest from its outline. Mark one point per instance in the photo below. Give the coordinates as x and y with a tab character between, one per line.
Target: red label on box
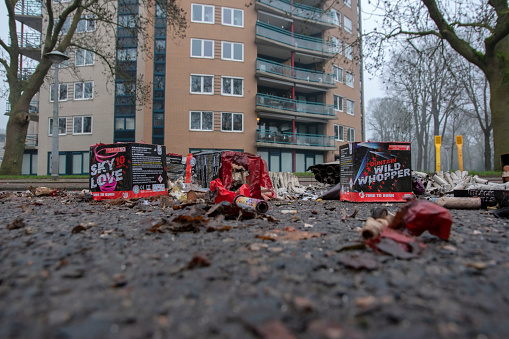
115	150
374	197
399	148
126	194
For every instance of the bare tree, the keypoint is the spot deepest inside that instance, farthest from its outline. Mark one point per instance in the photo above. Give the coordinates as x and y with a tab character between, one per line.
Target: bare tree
389	119
476	30
61	21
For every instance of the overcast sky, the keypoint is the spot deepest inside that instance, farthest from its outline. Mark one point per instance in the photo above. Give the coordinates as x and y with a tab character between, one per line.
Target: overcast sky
371	86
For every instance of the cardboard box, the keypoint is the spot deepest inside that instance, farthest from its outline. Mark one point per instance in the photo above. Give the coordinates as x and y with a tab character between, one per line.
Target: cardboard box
488	197
375	171
127	170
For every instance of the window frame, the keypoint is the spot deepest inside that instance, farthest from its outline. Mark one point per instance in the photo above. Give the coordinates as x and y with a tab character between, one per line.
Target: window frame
232	115
232	50
352	130
348	3
334	68
347	28
339	109
337	44
82	124
232	17
59	89
202	21
87	18
348	101
336	17
201	129
85	52
231	94
347	76
349	52
84	84
202	79
50	121
339	136
202	48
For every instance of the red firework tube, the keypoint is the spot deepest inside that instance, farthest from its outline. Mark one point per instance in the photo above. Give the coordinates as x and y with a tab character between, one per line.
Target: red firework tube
258	205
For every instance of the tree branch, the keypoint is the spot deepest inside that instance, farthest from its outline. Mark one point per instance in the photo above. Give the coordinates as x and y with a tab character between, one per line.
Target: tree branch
447	32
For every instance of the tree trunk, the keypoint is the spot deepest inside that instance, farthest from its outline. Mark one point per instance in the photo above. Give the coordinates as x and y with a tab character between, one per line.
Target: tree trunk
499	105
16	133
487	150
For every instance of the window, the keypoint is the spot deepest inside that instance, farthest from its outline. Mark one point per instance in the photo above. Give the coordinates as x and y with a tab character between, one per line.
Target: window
202	13
338	73
233	17
202	48
66	26
349	79
84	57
348	25
201	121
64	63
122	124
337	45
127	21
160	46
62	126
202	84
351	134
80	162
232	86
349	52
124	88
86	24
339	132
62	92
232	122
348	3
232	51
338	103
83	90
127	54
159	82
336	17
82	125
350	107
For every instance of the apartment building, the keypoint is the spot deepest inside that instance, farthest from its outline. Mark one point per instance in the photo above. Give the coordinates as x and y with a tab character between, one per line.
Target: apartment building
278	78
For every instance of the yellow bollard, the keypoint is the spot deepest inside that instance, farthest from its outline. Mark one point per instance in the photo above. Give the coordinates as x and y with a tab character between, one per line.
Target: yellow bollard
459	144
438	143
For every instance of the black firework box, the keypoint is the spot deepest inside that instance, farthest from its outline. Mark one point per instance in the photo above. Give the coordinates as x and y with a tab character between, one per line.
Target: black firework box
375	171
127	170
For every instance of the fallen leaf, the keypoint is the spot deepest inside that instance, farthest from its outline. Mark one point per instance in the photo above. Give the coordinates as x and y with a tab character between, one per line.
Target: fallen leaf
303	304
196	262
78	229
119	280
16	224
395	249
264	237
299	235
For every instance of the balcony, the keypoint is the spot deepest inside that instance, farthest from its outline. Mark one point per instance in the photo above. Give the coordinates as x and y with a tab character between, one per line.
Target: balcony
30	45
31	141
315	142
276	37
293	108
29	12
302	76
33	110
297	11
25	73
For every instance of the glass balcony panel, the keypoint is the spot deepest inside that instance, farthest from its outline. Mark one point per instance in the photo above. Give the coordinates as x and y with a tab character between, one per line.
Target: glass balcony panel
29	40
295	73
295	40
295	139
31	140
275	102
28	7
300	10
32	108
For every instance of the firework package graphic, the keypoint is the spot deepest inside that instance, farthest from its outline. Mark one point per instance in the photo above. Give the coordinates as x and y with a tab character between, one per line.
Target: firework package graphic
127	170
375	171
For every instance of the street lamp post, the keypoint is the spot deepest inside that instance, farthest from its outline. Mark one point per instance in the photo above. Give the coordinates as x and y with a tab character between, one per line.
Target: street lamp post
56	58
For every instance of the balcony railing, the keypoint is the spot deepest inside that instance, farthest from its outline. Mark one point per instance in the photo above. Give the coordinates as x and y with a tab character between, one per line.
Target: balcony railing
290	105
32	108
294	40
297	139
300	10
28	7
26	73
29	40
295	72
32	140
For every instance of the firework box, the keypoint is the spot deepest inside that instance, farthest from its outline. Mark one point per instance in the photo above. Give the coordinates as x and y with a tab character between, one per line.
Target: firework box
127	170
489	198
375	171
